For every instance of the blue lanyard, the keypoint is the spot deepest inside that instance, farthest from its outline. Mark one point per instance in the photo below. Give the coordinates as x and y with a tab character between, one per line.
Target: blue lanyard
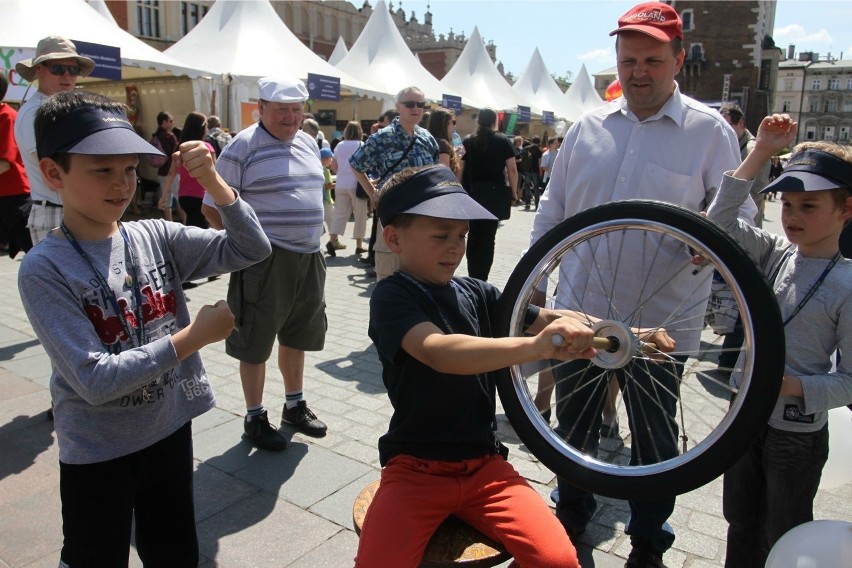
813	289
131	280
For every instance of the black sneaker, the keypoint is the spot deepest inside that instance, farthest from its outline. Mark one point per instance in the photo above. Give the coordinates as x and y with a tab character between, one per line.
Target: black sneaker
263	434
644	554
302	419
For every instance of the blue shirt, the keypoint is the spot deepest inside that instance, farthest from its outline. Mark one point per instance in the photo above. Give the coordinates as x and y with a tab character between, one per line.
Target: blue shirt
384	149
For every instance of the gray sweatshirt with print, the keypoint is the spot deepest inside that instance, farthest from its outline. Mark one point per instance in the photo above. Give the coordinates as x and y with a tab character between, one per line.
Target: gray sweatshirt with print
822	326
111	395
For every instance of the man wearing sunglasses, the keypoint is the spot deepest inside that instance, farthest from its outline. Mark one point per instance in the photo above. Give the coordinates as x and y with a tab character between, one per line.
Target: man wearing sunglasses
56	66
402	144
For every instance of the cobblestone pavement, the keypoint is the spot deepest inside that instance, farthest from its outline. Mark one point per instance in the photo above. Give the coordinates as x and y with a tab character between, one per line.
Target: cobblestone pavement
258	509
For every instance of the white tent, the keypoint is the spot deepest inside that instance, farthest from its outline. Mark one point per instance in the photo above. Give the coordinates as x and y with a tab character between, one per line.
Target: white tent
476	77
581	96
537	86
339	52
24	22
381	54
240	41
247	39
101	8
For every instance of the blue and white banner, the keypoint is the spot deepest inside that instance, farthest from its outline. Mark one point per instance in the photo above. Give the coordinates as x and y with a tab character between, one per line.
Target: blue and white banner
323	87
523	114
547	117
452	103
106	57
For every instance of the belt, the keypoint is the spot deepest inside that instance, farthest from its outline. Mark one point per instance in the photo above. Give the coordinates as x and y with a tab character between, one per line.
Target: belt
46	203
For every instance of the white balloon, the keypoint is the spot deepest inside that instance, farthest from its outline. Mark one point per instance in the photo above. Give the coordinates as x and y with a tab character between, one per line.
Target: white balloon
560	127
817	544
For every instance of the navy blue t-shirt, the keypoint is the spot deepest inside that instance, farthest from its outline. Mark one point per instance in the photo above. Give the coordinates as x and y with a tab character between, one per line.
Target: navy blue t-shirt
436	416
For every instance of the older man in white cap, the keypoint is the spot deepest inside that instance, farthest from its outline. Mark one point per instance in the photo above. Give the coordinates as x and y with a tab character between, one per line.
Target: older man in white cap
275	167
56	66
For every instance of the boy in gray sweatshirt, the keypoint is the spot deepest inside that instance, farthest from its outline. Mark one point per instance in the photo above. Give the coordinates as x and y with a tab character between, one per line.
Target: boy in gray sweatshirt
105	300
771	489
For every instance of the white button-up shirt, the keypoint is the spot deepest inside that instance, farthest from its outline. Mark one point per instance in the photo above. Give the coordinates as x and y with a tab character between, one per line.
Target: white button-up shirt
677	155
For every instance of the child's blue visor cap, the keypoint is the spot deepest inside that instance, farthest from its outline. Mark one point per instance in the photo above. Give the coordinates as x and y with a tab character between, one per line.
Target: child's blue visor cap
812	170
93	131
434	192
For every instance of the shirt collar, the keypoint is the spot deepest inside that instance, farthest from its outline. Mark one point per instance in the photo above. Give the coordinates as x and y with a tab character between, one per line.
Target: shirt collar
672	108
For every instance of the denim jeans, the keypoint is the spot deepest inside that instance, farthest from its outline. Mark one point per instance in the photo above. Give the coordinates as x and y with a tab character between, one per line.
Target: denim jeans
770	490
530	187
654	437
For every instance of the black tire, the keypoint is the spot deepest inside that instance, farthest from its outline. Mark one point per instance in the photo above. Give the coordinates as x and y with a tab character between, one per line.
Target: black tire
742	412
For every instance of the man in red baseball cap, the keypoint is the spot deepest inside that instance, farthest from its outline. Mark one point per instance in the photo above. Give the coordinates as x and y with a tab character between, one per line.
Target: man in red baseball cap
655	143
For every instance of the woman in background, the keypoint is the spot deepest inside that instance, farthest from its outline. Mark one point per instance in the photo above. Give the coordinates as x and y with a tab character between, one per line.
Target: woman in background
345	201
441	124
190	192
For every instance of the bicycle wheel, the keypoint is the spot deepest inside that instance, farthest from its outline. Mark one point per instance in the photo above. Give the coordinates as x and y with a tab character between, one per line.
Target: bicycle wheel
642	264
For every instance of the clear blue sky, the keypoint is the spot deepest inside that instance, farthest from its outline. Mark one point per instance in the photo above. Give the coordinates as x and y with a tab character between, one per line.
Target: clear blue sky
569	33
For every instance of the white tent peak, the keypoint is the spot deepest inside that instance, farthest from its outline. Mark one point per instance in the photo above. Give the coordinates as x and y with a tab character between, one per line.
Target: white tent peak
537	85
476	77
249	39
101	8
339	52
381	53
581	95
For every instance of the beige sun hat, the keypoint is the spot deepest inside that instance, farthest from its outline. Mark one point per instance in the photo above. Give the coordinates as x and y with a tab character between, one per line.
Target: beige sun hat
53	47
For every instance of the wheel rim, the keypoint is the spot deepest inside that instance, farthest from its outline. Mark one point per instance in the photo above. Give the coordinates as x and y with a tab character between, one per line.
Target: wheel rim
708	414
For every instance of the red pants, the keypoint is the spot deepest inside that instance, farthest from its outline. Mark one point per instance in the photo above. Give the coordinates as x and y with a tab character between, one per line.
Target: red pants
416	495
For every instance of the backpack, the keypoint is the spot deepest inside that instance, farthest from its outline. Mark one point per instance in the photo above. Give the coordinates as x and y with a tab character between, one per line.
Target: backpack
153	160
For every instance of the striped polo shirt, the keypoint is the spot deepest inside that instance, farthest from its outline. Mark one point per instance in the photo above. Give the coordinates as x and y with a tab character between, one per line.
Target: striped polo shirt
282	180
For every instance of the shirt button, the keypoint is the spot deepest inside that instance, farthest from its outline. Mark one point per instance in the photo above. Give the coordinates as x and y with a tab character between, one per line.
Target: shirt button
631	150
622	178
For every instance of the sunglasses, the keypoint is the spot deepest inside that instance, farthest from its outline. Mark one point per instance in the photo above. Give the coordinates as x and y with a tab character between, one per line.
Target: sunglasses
59	70
412	104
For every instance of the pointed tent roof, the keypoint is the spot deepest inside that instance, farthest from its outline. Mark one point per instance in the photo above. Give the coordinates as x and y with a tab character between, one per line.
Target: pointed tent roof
538	86
581	96
339	52
101	8
248	39
475	76
381	54
25	22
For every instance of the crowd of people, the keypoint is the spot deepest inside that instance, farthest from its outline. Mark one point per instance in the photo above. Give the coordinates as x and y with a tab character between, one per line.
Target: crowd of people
128	379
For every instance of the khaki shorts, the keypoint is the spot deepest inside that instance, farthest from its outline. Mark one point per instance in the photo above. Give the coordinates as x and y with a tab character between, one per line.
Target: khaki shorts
386	264
282	296
43	219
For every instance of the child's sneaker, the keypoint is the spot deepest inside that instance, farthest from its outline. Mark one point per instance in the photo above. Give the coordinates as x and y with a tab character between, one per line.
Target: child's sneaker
302	419
263	434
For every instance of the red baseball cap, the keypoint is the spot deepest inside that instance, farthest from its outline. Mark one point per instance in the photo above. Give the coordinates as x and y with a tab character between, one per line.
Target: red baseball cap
656	19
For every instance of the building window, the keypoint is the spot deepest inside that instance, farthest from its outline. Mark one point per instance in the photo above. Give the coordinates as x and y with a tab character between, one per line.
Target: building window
813	104
828	133
765	75
830	105
696	53
844	134
190	14
847	104
849	84
148	18
810	133
834	84
787	106
686	17
816	84
788	84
